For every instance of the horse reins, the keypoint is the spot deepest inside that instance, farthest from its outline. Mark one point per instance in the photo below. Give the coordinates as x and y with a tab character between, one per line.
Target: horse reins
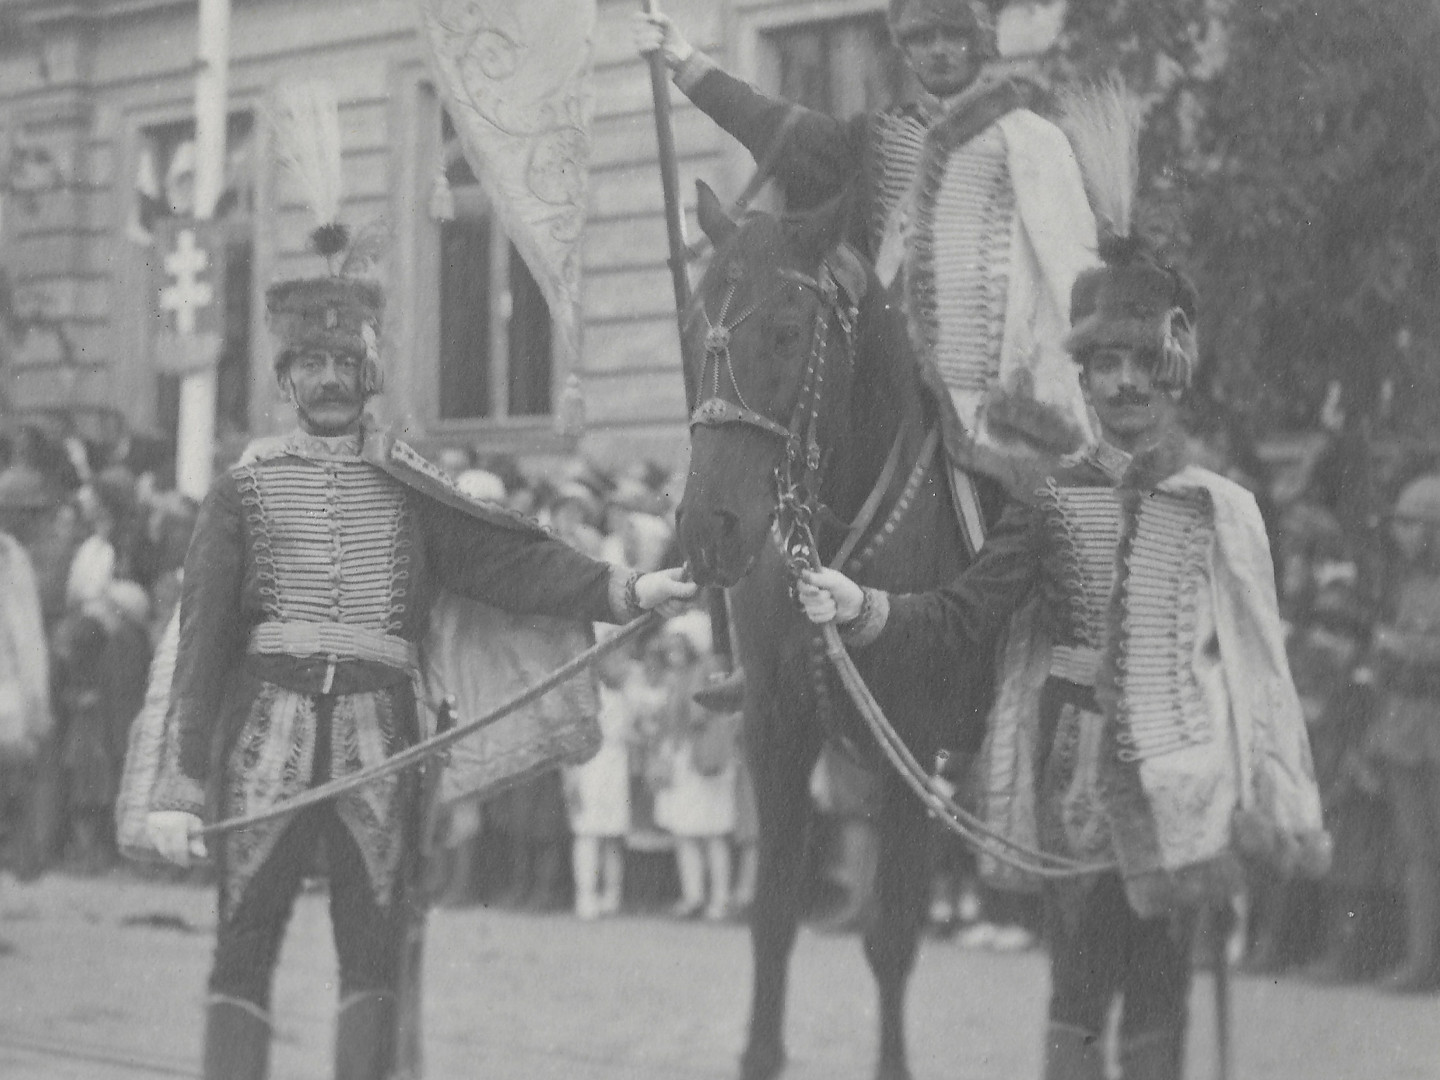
797	493
797	480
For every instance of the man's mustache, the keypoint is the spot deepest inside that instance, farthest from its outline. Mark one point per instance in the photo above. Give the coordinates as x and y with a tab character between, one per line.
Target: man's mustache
1123	398
332	399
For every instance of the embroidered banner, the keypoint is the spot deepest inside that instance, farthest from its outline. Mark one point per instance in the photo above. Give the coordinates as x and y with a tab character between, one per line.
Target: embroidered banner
515	78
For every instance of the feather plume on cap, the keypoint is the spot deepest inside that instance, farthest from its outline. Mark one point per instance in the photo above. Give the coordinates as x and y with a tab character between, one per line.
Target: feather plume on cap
1103	123
338	311
1133	299
304	120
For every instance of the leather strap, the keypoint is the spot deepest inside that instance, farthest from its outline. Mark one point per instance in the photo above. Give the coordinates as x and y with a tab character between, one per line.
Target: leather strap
871	506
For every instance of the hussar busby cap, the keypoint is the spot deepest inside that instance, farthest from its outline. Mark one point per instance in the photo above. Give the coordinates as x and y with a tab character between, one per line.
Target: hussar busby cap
328	314
970	17
339	311
1133	300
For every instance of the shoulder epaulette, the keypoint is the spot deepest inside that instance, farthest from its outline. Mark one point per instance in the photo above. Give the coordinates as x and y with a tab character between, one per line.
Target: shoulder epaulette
408	465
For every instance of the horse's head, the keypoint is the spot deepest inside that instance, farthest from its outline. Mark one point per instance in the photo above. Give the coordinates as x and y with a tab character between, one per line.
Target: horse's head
768	344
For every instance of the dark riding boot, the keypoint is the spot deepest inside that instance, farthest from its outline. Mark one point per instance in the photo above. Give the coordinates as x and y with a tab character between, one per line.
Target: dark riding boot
1156	1055
1072	1053
237	1040
365	1036
1421	971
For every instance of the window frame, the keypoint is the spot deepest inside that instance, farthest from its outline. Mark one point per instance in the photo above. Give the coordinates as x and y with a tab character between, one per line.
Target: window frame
421	255
132	321
751	25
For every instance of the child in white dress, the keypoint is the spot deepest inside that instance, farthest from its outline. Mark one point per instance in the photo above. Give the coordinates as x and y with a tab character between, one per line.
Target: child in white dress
697	804
597	795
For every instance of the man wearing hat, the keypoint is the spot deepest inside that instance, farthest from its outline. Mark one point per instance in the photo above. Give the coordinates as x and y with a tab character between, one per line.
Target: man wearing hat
1146	725
307	591
968	203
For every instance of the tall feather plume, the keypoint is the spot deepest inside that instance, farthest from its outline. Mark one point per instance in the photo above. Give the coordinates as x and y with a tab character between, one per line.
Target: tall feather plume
305	124
1103	122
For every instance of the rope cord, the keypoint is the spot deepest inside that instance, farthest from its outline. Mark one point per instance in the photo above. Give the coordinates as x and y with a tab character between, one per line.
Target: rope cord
967	826
797	544
439	742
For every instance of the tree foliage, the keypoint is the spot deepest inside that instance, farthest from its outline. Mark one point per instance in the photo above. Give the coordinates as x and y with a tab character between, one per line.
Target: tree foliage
1293	148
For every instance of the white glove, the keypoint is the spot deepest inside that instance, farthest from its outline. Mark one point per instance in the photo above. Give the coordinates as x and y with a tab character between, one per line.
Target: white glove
175	835
656	32
664	589
829	596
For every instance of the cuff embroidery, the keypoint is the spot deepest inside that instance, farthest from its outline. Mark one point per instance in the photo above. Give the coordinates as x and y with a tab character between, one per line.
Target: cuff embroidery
868	624
624	601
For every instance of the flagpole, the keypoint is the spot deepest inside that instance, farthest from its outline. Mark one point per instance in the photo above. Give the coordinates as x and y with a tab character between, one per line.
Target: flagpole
195	437
670	184
680	283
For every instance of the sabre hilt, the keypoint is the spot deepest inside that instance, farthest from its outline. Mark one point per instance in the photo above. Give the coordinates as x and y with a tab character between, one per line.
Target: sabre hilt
447	717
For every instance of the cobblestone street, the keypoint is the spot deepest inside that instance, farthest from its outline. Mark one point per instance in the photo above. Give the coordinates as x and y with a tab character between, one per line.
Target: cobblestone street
107	970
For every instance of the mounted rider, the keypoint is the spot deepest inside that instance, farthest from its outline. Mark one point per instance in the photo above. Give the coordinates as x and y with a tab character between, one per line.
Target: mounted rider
304	636
970	205
1146	723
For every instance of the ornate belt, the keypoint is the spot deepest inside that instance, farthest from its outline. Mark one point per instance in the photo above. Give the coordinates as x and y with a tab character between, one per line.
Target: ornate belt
334	642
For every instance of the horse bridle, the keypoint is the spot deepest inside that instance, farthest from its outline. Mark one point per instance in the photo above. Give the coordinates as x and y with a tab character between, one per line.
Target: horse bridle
797	488
799	474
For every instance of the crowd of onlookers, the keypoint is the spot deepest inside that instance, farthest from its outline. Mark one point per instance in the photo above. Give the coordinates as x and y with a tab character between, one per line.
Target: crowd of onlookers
667	795
105	545
1362	602
663	817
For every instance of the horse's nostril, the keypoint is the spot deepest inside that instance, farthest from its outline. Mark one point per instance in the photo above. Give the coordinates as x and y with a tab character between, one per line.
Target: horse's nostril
729	523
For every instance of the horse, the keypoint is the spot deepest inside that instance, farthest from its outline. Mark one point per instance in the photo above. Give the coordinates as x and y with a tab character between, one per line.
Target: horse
813	420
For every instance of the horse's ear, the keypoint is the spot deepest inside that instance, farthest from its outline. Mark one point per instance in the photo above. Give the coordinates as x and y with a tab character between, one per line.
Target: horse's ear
714	222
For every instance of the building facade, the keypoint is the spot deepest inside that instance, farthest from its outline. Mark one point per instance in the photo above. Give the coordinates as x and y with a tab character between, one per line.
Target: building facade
97	159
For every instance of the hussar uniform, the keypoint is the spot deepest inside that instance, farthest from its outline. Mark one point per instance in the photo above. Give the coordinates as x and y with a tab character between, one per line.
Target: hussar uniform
307	653
308	593
973	210
1145	724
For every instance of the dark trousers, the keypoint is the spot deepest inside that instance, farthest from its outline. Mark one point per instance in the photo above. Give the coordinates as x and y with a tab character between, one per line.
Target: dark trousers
368	930
1101	950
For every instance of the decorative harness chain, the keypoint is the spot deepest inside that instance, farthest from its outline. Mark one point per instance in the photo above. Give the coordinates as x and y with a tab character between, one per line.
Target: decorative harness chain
799	474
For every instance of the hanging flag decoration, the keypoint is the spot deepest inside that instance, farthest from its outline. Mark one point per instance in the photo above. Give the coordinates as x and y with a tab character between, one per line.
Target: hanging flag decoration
514	76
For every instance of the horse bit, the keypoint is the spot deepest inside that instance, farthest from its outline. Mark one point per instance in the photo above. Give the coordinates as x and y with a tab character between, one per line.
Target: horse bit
798	476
